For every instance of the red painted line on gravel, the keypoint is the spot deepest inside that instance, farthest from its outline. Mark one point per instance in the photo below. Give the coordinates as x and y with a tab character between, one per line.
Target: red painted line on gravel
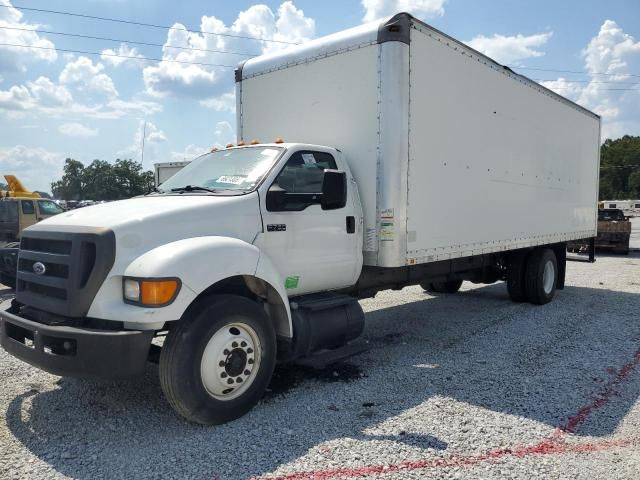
554	445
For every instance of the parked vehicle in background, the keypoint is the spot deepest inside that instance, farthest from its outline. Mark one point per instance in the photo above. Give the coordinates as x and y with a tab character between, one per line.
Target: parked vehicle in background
19	209
410	159
614	231
630	208
164	171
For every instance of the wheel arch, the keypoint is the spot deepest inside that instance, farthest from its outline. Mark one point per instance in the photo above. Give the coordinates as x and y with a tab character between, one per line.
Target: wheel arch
257	289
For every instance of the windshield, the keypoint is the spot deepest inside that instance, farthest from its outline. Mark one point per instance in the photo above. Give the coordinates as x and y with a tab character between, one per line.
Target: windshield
47	207
239	169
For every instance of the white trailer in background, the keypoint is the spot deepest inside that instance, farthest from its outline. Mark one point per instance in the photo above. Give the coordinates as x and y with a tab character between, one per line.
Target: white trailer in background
410	159
164	171
629	207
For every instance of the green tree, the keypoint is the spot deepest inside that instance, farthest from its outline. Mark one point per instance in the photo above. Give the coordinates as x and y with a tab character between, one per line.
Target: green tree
70	186
102	180
620	168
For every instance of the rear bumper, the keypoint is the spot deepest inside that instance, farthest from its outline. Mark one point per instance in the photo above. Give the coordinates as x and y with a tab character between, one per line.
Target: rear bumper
71	351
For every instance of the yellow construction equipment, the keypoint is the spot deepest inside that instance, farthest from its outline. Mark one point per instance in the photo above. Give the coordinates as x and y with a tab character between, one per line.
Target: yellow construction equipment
16	189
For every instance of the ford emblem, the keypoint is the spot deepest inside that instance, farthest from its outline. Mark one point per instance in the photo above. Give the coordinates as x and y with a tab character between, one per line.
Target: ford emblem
39	268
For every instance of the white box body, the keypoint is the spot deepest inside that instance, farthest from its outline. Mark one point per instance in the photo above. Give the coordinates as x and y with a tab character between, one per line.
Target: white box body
454	154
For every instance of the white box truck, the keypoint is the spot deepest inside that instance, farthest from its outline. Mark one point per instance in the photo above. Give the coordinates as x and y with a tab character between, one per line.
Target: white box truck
409	159
165	170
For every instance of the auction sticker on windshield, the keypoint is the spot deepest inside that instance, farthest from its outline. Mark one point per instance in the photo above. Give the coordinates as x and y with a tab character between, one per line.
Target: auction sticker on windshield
232	179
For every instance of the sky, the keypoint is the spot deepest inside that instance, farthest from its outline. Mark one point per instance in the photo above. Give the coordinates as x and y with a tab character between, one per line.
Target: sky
57	103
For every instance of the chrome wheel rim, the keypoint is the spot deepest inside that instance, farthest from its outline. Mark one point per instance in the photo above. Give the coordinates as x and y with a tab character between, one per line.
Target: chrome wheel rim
548	277
230	361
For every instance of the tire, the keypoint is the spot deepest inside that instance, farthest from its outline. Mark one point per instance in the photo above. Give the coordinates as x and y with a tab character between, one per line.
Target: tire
541	276
8	280
515	276
212	345
450	286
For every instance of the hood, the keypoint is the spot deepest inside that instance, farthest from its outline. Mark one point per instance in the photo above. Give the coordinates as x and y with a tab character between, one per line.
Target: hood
142	223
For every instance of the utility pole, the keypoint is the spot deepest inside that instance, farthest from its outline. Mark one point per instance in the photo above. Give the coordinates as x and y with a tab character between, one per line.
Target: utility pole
144	135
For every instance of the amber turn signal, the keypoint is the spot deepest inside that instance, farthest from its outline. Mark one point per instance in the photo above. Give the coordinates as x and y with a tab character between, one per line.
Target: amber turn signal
151	292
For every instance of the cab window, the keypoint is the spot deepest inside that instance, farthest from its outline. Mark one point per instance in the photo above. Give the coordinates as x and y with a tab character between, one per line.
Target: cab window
47	207
27	207
299	183
304	172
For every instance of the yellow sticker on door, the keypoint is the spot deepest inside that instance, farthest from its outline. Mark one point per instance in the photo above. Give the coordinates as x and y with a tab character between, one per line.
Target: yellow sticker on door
291	282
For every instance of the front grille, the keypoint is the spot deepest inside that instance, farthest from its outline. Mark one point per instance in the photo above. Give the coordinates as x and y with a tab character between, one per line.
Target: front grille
60	272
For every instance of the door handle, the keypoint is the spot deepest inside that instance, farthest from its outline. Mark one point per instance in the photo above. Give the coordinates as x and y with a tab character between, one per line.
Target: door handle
351	224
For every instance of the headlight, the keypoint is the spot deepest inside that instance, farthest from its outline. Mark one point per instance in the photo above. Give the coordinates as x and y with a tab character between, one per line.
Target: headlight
150	292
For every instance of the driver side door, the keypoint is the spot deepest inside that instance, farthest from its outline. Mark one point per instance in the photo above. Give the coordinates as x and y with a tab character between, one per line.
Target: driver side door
314	249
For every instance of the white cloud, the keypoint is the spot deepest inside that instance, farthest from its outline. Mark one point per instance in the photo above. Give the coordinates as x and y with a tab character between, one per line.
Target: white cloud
223	103
116	58
189	153
224	133
564	87
155	142
288	24
614	95
42	94
16	58
77	130
29	164
377	9
509	49
84	74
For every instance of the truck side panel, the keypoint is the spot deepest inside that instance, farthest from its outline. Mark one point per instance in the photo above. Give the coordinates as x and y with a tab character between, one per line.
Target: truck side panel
494	162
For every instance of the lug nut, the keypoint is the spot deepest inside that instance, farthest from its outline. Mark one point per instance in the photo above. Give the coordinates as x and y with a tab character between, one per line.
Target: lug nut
221	363
223	375
249	350
226	352
250	361
243	344
239	379
230	381
247	372
234	344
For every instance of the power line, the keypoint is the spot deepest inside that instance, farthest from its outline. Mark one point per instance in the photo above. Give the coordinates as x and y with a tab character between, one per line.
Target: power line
575	71
116	55
583	81
141	24
600	89
133	42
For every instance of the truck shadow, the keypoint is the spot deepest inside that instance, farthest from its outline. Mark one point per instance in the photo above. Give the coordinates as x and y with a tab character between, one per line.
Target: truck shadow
542	364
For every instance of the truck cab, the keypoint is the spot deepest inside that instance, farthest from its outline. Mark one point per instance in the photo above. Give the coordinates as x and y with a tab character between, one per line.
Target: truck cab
251	227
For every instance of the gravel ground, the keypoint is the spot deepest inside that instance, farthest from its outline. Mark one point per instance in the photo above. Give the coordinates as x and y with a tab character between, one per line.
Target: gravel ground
454	386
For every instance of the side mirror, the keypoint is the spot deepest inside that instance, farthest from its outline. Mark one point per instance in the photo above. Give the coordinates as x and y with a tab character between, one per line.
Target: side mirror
276	197
334	190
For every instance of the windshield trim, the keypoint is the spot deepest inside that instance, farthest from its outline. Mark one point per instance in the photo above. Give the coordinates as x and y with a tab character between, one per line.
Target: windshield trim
234	193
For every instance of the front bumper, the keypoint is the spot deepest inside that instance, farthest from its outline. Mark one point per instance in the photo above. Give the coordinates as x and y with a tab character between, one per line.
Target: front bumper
73	351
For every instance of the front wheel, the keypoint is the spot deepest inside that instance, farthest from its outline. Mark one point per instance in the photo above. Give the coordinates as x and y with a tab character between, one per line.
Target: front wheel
218	360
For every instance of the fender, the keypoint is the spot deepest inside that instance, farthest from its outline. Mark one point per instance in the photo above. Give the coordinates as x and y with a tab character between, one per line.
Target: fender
199	263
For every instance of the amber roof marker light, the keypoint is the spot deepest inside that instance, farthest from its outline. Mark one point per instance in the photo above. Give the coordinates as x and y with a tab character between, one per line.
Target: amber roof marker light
279	140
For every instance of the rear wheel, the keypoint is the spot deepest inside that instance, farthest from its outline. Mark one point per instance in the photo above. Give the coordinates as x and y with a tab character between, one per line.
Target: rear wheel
450	286
217	362
541	277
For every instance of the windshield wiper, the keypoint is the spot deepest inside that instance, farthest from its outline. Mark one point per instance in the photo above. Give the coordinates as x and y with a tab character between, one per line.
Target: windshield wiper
193	188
